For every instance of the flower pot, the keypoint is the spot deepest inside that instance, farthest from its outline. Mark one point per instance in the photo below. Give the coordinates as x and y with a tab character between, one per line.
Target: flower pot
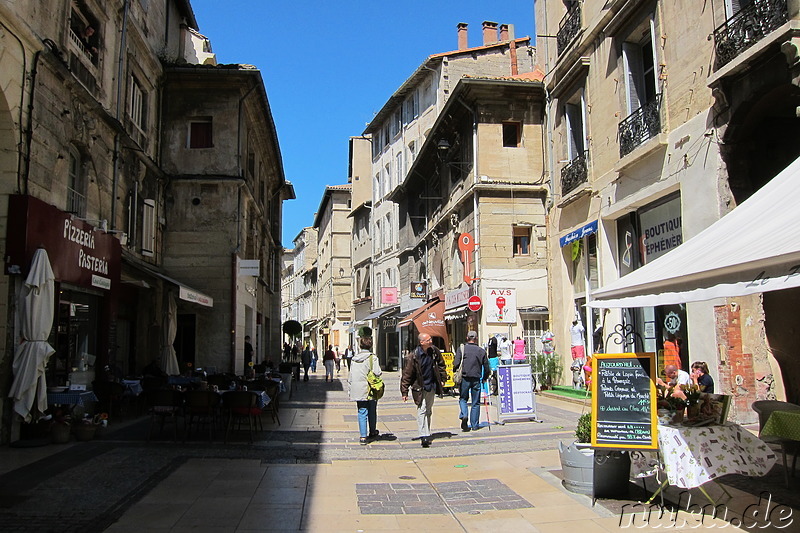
84	432
577	467
693	411
59	433
677	417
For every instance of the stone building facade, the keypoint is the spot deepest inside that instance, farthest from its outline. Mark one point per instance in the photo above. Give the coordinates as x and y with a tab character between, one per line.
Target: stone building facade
84	174
657	131
398	132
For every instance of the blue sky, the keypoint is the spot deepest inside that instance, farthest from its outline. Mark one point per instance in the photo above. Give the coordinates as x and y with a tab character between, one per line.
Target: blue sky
329	66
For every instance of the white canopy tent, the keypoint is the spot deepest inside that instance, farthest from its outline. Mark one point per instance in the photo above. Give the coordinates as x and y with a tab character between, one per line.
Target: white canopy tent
754	248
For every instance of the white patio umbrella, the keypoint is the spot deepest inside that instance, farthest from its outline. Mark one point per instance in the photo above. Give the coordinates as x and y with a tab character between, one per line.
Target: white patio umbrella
35	310
169	361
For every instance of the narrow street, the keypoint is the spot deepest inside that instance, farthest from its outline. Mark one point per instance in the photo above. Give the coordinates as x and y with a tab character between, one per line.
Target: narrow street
310	473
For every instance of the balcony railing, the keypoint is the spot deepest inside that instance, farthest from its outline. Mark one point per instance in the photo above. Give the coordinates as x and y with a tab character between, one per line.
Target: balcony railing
569	27
574	173
641	125
76	202
747	27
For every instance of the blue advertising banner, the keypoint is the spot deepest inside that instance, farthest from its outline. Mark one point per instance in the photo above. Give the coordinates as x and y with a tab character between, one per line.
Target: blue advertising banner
580	233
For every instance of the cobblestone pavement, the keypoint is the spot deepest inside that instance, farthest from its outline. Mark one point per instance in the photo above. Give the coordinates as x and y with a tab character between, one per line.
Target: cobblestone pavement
123	482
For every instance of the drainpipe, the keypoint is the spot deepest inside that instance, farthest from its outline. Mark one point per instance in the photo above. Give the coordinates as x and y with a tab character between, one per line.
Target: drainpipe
120	79
22	131
26	159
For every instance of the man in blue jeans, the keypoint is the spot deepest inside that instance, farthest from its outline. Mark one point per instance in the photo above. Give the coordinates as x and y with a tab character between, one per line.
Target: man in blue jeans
474	366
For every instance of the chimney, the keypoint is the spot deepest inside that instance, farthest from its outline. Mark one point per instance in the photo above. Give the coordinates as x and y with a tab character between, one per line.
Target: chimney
462	36
503	32
489	32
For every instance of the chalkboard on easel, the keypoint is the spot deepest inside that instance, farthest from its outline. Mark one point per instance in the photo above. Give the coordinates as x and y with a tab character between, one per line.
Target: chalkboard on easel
624	401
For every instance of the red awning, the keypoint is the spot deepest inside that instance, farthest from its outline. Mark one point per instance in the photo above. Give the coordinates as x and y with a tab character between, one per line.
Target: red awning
429	319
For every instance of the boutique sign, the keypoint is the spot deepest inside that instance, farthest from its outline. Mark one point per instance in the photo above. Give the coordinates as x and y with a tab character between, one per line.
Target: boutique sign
79	253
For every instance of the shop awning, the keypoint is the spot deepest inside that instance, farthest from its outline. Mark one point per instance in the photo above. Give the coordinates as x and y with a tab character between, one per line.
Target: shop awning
185	292
428	319
380	312
534	310
456	313
754	248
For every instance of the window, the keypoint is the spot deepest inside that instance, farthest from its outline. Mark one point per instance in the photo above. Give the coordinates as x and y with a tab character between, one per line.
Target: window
511	134
378	236
576	132
734	6
412	152
411	108
376	189
387	179
138	105
201	133
149	228
639	61
397	123
522	240
388	228
76	186
398	168
532	331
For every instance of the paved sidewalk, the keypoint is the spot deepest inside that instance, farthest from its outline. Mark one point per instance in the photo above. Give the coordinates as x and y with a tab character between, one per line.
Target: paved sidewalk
311	474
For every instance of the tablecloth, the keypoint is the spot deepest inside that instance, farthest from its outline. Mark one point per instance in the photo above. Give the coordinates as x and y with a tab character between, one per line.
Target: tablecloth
71	398
133	387
783	424
692	456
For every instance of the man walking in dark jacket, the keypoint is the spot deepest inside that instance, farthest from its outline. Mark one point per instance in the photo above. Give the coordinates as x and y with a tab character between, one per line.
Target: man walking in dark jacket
474	365
424	373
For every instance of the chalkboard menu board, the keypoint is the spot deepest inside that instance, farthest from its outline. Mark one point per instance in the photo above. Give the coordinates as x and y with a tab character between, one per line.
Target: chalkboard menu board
623	401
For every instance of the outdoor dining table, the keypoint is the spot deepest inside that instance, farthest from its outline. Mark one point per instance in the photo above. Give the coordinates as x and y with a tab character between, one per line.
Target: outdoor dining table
71	398
783	426
262	399
133	387
689	457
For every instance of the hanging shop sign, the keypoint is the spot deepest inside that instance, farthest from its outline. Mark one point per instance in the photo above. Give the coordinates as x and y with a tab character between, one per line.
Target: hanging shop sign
250	267
419	290
467	245
388	295
456	298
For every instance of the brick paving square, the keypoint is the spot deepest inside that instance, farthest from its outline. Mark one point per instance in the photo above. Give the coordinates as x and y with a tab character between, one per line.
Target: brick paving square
441	498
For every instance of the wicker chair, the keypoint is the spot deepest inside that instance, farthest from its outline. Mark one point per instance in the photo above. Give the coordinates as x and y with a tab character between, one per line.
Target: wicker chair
241	406
764	408
164	404
201	406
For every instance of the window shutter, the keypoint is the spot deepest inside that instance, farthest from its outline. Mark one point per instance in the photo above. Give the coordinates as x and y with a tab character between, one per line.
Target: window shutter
654	43
632	61
149	228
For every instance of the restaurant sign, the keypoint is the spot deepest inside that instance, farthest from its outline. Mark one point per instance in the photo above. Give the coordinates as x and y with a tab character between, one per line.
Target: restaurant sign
79	253
419	289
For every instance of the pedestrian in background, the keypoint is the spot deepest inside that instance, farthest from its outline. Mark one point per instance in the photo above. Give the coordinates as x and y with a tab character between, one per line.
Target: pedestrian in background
305	358
314	359
424	373
474	365
362	363
329	360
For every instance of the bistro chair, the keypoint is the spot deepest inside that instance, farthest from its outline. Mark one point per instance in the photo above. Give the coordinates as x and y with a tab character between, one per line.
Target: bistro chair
764	408
109	395
201	406
272	388
241	406
164	404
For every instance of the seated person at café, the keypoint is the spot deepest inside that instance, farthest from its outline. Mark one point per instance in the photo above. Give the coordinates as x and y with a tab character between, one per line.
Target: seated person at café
701	378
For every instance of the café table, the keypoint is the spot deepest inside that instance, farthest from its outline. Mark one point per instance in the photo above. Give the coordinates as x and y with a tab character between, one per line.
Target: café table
133	387
782	427
689	457
71	398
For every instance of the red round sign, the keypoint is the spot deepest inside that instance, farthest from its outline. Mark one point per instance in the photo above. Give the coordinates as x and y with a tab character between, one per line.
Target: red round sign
474	303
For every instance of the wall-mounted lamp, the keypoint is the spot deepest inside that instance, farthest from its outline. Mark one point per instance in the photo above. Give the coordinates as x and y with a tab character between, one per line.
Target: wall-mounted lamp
443	145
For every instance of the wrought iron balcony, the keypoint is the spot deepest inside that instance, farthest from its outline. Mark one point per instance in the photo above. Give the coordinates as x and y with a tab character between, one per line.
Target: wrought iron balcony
747	27
569	27
641	125
574	173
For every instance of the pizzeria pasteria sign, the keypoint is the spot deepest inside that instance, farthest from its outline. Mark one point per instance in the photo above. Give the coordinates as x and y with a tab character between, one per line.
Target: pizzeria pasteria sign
79	253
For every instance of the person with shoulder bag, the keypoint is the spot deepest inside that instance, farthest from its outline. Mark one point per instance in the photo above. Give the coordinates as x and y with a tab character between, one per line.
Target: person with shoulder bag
424	373
364	363
472	364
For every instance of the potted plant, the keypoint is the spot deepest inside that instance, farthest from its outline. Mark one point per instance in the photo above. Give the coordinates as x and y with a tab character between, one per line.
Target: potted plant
546	369
577	459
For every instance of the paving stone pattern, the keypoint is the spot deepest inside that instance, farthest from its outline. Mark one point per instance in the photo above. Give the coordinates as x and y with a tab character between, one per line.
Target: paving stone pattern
439	498
384	418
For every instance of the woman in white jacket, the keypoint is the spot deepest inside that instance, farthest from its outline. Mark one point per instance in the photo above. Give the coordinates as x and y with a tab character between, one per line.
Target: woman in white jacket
359	387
